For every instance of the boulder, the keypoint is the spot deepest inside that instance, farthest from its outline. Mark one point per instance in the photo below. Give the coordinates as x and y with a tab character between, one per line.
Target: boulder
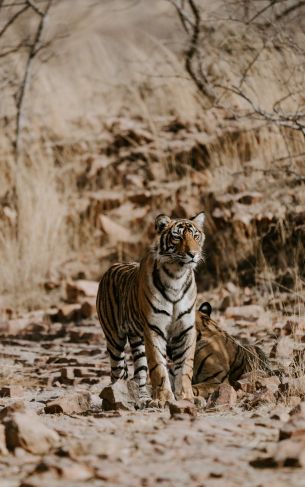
25	430
181	407
118	396
224	396
75	403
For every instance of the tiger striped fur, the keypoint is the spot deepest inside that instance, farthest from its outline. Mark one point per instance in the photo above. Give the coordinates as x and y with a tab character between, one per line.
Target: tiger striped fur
151	304
219	357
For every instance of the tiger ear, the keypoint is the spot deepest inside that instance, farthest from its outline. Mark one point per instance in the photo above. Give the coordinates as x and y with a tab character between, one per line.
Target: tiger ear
161	222
199	220
205	308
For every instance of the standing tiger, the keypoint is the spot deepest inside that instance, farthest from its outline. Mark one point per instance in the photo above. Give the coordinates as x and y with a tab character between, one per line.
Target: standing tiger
152	304
219	357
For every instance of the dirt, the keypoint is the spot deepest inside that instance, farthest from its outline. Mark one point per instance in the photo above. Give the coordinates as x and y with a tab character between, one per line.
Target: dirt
57	370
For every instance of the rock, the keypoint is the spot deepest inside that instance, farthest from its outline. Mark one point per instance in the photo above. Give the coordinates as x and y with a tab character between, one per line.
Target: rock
14	327
295	426
250	312
114	231
67	375
88	308
68	313
118	396
224	396
291	452
25	430
75	403
11	391
262	396
181	407
63	468
3	449
16	407
270	383
246	385
81	289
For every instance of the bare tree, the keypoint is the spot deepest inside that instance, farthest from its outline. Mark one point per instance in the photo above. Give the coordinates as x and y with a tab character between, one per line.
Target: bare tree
261	19
32	47
189	15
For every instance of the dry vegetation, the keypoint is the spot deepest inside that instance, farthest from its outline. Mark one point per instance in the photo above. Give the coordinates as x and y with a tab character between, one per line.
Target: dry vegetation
89	112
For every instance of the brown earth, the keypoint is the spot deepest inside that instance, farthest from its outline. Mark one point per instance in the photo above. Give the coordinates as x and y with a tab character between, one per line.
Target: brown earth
54	366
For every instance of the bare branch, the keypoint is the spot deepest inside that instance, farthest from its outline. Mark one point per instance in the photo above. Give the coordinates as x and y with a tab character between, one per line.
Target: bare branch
289	120
263	10
21	95
184	19
290	9
33	6
250	65
12	19
192	27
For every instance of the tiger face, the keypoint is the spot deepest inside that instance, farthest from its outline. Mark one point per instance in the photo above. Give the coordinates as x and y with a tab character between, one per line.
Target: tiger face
181	241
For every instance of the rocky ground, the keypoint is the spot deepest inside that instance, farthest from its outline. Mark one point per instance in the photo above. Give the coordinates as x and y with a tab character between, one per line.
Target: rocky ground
58	428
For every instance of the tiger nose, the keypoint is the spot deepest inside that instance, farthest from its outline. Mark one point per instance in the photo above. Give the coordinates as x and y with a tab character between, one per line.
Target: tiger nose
191	254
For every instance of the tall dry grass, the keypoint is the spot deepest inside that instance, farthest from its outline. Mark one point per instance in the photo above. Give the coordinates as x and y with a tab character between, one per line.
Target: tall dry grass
36	245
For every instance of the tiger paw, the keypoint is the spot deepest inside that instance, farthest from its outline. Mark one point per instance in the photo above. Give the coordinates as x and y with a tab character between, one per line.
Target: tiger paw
163	395
155	403
185	396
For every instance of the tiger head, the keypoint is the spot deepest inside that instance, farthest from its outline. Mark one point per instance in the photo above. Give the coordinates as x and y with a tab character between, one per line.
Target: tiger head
181	240
203	317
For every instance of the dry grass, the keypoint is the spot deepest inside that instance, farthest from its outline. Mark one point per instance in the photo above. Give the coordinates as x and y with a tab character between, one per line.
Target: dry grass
117	58
29	257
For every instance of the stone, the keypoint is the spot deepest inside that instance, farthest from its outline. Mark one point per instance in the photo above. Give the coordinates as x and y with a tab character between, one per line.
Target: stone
263	396
224	396
271	383
250	312
291	452
64	468
81	289
25	430
74	403
181	407
114	231
67	375
118	396
245	384
15	407
11	391
295	426
68	313
3	448
88	308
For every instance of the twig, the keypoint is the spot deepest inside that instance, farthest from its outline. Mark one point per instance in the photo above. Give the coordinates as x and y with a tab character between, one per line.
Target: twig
34	7
12	19
21	96
288	10
288	120
192	28
184	19
250	65
263	10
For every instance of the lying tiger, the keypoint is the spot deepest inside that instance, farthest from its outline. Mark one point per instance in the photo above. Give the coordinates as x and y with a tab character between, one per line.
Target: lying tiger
219	357
151	304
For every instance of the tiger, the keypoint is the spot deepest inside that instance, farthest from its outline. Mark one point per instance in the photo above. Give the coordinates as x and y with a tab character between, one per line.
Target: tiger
151	304
219	357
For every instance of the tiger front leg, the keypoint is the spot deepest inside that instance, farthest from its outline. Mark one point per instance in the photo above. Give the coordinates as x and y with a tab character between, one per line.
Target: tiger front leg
183	346
155	346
